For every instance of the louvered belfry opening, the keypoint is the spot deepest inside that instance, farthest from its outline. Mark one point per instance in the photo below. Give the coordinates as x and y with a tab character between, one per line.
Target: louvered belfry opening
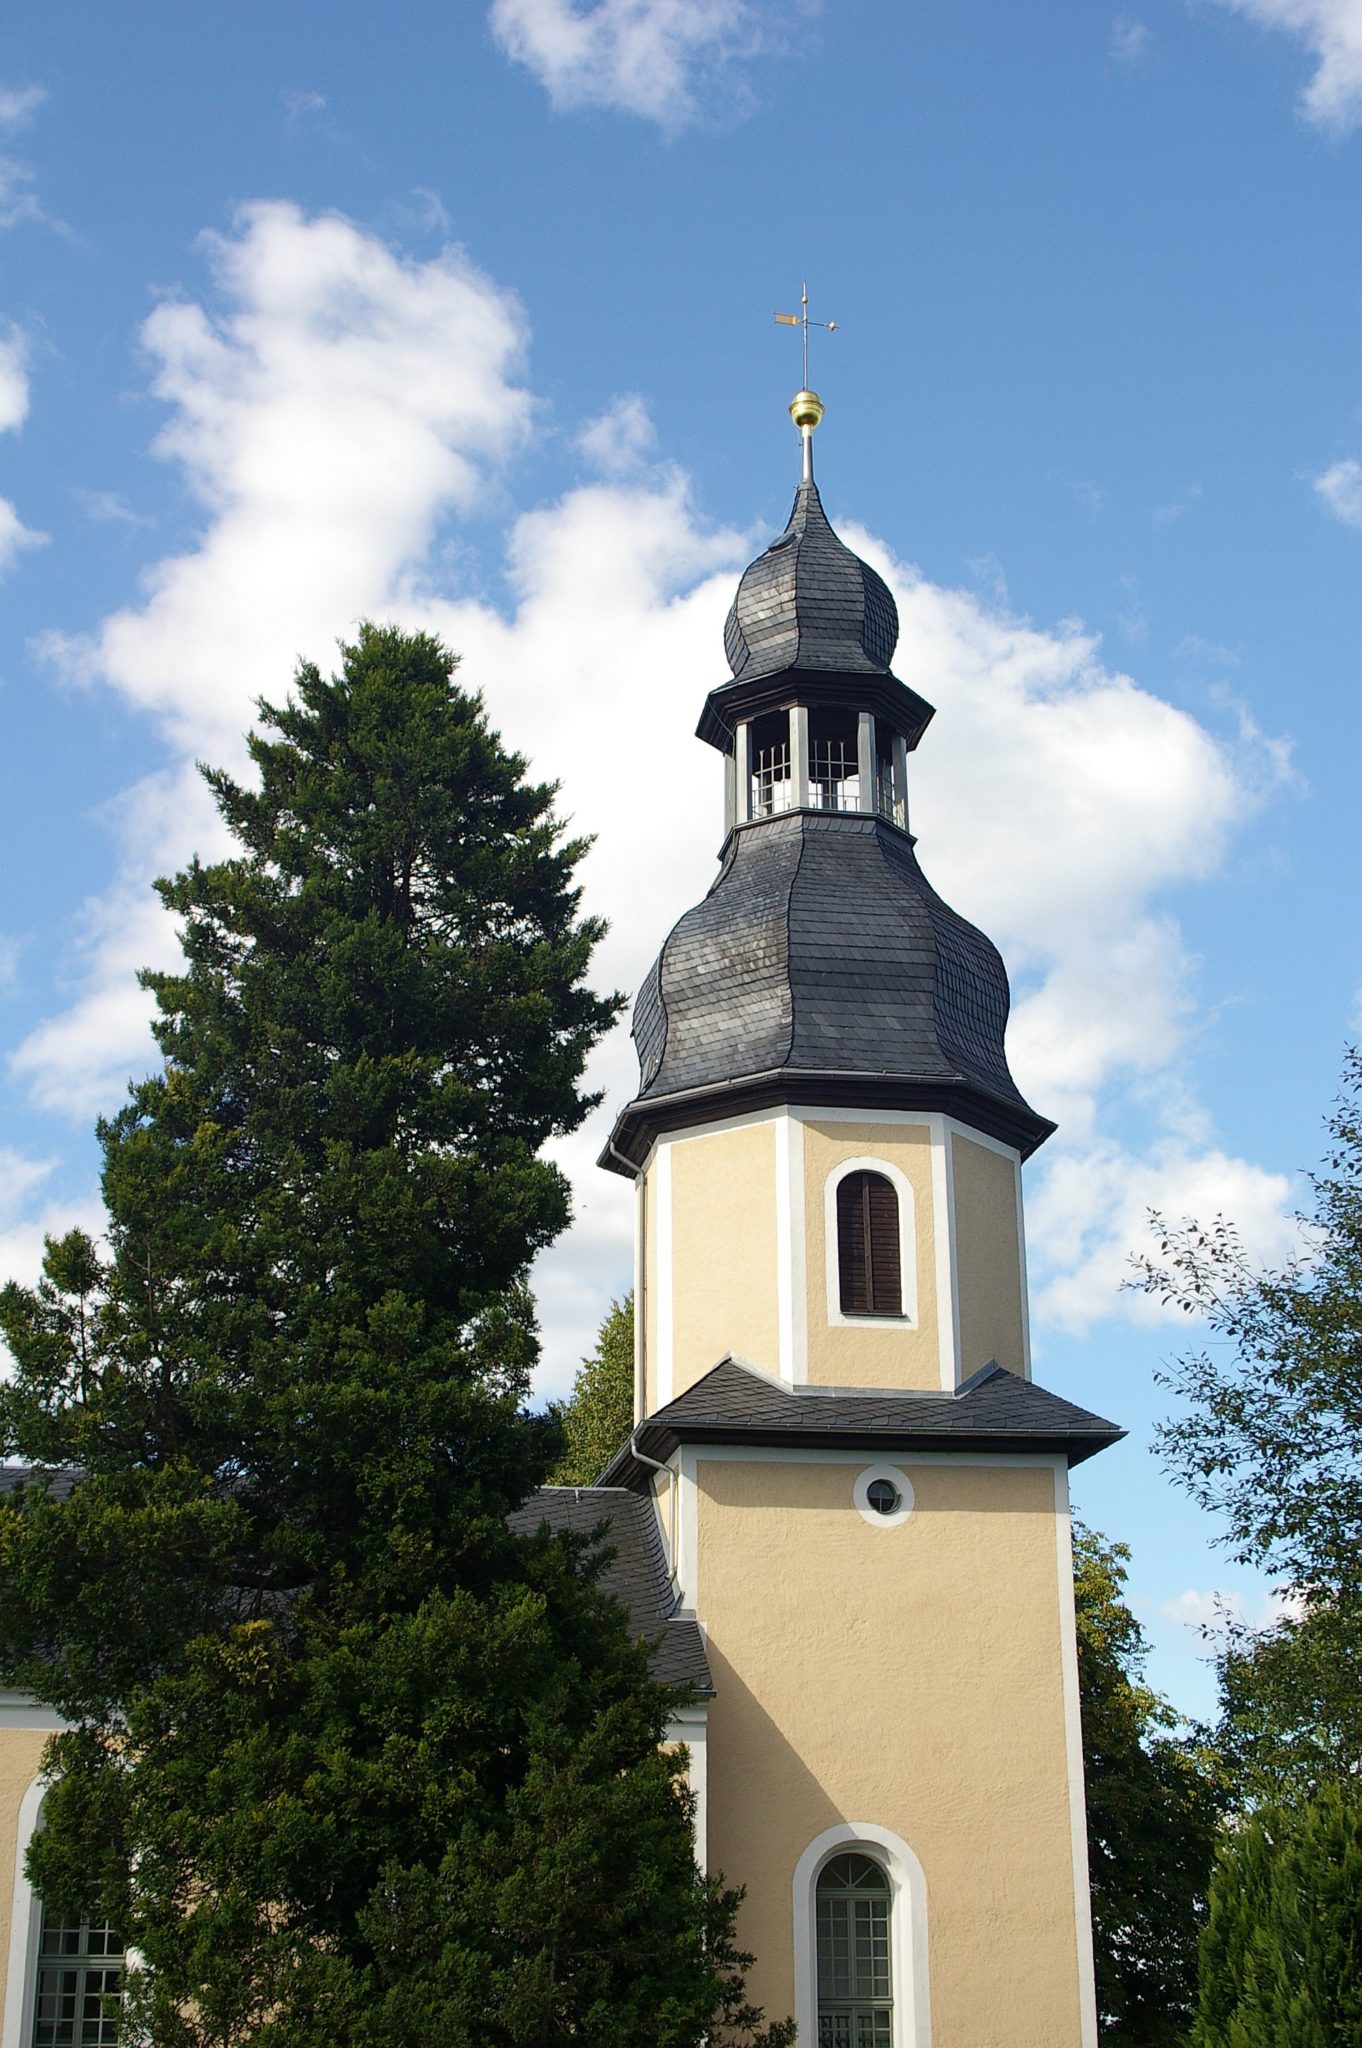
868	1246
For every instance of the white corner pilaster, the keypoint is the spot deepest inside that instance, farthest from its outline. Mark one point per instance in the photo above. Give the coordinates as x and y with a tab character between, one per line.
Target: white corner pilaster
943	1243
799	756
663	1365
900	781
865	759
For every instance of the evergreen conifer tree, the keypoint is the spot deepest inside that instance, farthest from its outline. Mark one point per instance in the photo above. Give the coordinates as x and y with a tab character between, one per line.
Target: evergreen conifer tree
598	1418
1281	1957
347	1762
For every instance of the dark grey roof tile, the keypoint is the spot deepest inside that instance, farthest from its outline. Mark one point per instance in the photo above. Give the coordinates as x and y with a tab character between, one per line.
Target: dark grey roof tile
992	1410
637	1574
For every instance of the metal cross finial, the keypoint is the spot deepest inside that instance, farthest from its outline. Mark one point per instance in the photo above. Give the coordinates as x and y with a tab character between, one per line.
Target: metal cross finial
802	320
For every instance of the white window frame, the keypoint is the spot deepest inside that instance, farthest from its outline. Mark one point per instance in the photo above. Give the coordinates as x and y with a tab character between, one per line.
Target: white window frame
25	1926
902	1485
903	1188
912	2022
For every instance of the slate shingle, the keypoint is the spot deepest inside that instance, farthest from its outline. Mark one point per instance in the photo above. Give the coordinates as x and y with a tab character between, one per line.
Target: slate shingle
993	1410
810	603
637	1574
823	954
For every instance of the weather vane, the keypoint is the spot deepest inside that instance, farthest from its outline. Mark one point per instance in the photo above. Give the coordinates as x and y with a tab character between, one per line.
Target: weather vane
806	407
803	320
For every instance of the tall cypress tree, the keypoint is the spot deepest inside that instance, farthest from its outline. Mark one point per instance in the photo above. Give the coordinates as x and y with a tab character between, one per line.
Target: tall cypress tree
1281	1955
347	1763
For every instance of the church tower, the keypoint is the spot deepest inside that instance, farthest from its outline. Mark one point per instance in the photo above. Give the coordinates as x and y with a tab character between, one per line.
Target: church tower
861	1494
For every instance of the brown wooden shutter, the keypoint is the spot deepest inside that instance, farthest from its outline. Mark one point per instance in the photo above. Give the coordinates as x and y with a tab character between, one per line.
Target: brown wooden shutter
868	1246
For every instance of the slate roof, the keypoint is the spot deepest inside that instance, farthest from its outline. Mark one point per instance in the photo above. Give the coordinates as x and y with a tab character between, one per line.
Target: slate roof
637	1575
812	624
810	603
62	1481
993	1410
823	967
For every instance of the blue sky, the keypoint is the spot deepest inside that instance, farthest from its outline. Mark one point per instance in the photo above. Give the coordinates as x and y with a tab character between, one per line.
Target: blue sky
464	317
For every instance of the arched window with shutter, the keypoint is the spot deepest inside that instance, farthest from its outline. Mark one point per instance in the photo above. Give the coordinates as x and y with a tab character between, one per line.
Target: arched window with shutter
869	1267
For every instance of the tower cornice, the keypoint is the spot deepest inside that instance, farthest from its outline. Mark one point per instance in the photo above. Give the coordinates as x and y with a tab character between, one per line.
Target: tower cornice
728	704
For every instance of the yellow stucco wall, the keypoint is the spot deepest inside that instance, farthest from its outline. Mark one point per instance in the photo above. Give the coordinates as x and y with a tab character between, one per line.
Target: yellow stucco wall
860	1354
21	1752
910	1677
724	1251
988	1257
647	1222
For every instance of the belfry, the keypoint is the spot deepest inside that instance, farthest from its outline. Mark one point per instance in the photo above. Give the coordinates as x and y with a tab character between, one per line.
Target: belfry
859	1494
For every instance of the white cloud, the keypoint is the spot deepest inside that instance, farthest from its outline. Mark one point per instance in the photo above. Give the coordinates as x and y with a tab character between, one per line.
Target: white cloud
1332	31
13	381
336	405
620	439
1213	1612
17	200
79	1062
1130	40
110	508
1340	487
27	1216
15	536
298	104
344	398
18	105
670	61
1169	515
1090	1211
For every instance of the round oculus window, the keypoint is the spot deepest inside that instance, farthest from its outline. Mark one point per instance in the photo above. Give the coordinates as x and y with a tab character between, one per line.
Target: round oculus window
883	1496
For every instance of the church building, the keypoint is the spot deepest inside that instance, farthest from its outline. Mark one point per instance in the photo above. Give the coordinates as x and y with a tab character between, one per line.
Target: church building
843	1509
844	1504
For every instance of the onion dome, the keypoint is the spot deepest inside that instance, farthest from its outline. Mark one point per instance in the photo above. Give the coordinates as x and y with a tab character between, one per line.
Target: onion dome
823	968
810	603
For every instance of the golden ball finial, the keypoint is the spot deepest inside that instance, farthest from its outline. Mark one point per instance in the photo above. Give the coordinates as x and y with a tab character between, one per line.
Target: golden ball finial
806	410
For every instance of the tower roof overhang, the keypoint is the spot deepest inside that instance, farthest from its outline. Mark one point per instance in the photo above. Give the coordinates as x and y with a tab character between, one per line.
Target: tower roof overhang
728	704
649	1117
992	1411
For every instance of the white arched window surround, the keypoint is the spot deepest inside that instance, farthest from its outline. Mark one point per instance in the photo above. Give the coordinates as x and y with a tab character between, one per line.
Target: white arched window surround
903	1188
907	1928
26	1919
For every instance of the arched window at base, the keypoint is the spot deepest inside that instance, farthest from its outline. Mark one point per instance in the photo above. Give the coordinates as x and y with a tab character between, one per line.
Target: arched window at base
63	1975
860	1941
853	1911
79	1978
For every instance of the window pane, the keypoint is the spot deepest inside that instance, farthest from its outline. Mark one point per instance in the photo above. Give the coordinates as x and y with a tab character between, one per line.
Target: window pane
855	2006
80	1974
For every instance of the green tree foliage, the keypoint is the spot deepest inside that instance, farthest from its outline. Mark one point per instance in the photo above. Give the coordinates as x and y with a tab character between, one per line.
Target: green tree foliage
1271	1438
598	1418
1281	1957
1291	1704
348	1764
1152	1816
1272	1434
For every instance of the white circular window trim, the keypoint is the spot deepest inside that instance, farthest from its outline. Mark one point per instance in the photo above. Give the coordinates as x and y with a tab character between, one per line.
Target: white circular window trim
899	1480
